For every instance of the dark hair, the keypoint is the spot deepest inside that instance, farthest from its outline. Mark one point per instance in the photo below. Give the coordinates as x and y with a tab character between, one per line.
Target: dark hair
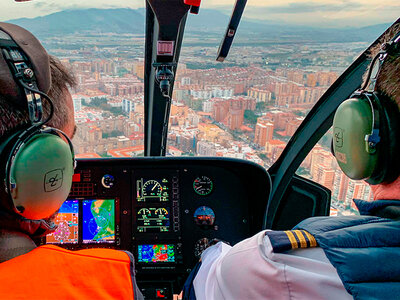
388	82
61	79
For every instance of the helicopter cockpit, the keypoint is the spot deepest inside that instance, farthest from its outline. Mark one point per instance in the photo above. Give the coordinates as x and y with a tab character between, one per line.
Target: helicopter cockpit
165	210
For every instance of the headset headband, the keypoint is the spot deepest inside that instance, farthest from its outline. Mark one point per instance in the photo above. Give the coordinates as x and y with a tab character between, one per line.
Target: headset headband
34	149
368	90
393	46
22	70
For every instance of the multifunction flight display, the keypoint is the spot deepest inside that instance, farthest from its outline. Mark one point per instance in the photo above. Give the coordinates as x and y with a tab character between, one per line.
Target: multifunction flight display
156	253
98	224
67	221
85	221
152	219
152	190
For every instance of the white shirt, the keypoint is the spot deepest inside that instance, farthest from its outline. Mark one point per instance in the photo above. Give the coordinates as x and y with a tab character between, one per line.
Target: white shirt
251	270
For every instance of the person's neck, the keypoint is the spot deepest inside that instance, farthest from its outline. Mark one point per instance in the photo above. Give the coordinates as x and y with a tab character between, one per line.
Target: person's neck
13	244
389	191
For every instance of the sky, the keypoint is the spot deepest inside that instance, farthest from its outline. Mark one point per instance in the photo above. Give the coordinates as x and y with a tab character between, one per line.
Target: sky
323	13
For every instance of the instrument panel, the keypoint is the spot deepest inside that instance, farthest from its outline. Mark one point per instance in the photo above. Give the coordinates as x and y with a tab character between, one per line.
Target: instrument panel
163	210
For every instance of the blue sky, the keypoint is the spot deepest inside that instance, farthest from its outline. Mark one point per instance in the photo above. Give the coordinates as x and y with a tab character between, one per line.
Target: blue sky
321	13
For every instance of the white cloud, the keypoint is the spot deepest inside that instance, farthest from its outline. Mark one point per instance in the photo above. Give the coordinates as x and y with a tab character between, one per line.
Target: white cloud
307	12
13	10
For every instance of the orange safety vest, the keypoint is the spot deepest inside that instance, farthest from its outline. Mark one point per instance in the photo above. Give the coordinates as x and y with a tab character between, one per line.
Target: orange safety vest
51	272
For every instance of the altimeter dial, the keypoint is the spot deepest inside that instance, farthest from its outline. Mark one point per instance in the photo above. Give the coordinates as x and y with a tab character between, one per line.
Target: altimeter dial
203	185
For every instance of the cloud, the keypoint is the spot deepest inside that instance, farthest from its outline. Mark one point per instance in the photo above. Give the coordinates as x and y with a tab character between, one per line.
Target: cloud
52	6
307	7
330	13
327	14
56	6
39	5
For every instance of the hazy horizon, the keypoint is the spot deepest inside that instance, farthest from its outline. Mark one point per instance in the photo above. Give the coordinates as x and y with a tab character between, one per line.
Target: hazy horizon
339	13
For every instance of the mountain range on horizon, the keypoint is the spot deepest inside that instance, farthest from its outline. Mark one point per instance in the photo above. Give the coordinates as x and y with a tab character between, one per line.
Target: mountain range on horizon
210	21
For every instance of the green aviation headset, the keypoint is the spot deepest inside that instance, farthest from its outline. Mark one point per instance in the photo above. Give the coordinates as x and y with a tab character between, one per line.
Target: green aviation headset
366	128
37	161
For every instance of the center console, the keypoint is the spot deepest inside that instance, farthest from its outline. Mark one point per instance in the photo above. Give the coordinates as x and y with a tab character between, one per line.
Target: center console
163	210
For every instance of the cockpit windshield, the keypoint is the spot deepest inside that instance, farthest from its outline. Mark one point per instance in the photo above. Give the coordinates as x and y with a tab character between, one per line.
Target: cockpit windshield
284	57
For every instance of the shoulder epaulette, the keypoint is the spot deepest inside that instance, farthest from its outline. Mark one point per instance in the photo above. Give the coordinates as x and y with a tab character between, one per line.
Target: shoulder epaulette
290	239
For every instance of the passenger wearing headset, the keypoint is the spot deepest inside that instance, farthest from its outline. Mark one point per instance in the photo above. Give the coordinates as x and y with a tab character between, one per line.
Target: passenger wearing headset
36	167
330	257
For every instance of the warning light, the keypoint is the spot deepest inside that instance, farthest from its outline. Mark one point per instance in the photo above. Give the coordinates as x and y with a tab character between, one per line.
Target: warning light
160	293
192	2
194	5
76	177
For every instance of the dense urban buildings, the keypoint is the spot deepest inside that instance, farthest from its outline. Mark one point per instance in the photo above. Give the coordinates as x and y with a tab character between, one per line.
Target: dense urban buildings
248	109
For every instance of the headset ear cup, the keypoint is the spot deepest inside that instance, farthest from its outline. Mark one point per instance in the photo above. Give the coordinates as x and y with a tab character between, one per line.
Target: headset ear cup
41	176
6	146
352	122
393	113
387	169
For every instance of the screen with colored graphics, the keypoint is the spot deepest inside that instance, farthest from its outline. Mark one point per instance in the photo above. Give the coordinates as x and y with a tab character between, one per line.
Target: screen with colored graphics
153	219
98	221
156	253
67	221
153	190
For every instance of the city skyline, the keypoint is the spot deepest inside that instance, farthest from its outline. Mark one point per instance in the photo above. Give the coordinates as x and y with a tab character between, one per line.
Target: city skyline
247	109
342	13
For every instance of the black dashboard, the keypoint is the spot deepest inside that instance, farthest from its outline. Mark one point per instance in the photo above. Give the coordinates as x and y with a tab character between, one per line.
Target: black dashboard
163	210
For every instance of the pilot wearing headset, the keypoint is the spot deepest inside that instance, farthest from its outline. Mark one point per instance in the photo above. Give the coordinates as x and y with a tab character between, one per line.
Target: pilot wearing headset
36	168
330	257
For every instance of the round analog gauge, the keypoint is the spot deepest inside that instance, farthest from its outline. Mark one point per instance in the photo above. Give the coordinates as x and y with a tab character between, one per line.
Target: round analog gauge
144	212
107	181
204	216
161	212
203	185
152	188
200	246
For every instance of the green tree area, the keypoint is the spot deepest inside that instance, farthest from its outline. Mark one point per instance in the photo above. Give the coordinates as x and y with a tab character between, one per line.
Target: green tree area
122	72
104	154
303	172
188	154
326	140
113	133
202	65
263	156
102	104
261	106
301	113
196	105
250	117
264	106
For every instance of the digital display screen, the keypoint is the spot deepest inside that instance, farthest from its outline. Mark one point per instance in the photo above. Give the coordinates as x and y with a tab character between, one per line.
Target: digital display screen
152	190
98	221
153	219
156	253
67	220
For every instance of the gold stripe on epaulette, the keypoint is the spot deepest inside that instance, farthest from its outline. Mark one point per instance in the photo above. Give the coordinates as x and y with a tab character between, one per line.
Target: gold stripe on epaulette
303	242
282	241
292	239
311	239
